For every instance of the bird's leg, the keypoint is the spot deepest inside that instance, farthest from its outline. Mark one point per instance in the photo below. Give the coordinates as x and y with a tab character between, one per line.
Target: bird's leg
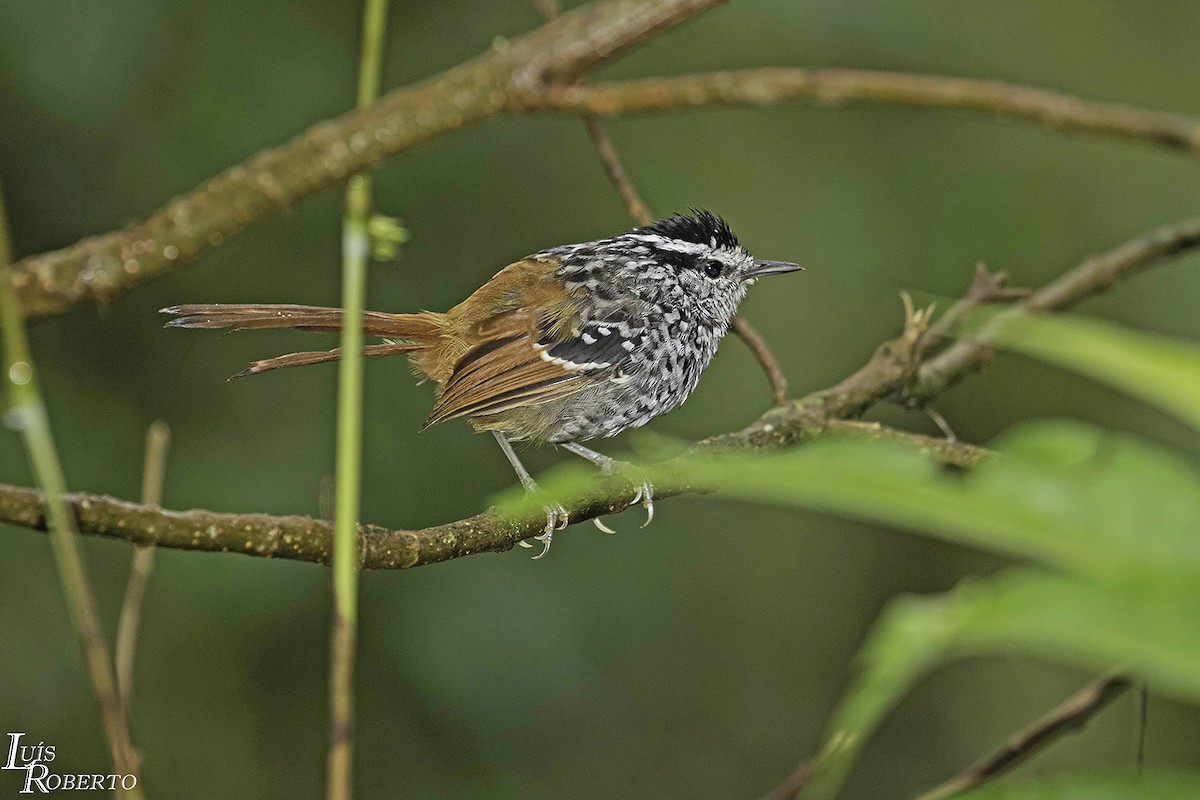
608	466
556	515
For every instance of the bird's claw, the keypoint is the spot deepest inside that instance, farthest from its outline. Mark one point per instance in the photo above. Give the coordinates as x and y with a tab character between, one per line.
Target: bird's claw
600	524
645	489
557	518
645	494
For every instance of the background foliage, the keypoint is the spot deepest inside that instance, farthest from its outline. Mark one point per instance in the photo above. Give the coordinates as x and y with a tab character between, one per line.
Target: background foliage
700	657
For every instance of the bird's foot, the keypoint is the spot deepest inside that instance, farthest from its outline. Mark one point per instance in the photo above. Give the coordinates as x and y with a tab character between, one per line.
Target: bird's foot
645	491
645	494
610	466
556	519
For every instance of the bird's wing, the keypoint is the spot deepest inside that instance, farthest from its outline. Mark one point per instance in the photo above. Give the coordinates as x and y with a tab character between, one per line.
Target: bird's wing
525	361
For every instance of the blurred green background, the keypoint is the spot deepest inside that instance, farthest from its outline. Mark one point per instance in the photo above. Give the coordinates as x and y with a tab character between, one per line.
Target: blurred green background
698	658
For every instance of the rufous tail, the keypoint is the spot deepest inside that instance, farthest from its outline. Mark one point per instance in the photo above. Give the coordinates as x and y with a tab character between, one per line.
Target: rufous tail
415	331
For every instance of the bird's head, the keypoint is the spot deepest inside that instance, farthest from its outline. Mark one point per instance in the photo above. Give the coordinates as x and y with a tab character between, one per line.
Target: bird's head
701	254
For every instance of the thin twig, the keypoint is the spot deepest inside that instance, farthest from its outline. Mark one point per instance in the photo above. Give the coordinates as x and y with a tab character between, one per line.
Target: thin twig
640	213
158	438
766	359
986	287
616	172
839	87
27	412
1095	275
1069	717
1142	722
793	784
888	371
637	207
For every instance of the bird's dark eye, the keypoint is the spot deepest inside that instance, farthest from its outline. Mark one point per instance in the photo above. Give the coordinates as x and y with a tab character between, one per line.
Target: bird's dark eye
713	269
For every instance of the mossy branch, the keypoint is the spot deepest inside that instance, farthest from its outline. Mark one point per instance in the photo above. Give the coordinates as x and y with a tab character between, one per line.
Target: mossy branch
530	74
301	538
896	370
100	268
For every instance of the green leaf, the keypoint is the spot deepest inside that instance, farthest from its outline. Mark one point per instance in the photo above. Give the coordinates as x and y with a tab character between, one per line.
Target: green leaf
1161	371
387	234
1061	492
1181	786
1146	623
1118	516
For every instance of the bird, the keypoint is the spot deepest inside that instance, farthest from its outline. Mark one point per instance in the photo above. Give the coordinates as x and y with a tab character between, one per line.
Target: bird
570	344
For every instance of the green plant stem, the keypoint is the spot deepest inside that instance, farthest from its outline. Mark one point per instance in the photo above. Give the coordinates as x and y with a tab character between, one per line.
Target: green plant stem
355	250
27	413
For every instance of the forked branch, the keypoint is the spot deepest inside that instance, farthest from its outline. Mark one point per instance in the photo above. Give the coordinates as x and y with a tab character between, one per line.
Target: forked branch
1094	276
533	73
102	267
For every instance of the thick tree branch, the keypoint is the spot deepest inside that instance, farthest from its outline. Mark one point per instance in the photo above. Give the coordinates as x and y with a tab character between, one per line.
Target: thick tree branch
300	538
837	87
528	74
102	267
890	371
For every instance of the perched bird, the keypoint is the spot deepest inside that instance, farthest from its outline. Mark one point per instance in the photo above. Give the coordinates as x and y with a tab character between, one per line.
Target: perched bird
573	343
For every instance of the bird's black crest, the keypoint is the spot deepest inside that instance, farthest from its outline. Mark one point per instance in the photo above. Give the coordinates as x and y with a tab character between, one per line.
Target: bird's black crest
702	227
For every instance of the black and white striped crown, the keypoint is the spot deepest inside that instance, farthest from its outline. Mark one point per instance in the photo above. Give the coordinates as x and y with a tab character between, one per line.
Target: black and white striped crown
701	227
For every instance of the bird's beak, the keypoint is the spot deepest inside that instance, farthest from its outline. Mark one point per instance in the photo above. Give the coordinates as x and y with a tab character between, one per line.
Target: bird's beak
762	268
